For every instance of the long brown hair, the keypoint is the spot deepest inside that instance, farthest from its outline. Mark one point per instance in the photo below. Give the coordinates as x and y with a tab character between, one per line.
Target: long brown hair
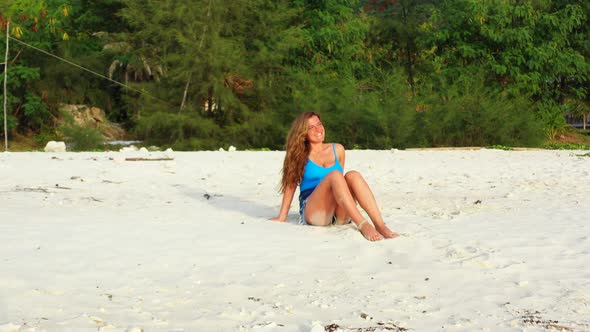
297	148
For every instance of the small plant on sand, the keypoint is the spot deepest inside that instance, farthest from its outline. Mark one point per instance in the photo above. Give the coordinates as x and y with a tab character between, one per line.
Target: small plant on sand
260	149
566	146
500	147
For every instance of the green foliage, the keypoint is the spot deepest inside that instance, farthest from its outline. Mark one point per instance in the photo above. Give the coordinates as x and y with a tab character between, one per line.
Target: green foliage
184	131
525	46
37	82
11	122
82	138
25	110
233	72
260	149
469	114
566	146
553	117
399	32
260	130
43	137
500	147
36	112
206	48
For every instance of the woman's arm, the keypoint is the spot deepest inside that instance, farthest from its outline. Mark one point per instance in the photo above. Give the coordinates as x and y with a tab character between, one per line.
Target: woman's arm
341	154
286	204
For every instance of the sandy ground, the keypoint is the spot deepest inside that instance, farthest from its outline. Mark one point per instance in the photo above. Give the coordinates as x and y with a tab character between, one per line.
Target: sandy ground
491	241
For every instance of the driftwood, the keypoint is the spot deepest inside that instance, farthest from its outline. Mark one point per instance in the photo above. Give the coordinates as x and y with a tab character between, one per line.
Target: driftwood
109	181
148	159
40	189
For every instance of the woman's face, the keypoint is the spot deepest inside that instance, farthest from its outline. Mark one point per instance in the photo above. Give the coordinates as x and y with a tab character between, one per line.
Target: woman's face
315	130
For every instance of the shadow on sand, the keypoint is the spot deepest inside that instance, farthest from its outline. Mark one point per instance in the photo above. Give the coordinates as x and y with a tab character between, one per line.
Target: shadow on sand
227	202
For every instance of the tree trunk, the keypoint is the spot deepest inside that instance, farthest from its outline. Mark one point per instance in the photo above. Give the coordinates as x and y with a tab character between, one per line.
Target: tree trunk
409	62
185	93
210	101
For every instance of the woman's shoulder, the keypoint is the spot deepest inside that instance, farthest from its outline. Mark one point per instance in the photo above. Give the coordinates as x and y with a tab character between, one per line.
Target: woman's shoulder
338	146
339	149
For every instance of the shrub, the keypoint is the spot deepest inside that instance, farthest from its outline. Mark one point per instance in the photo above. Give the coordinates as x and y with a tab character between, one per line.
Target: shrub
468	113
43	137
82	138
181	131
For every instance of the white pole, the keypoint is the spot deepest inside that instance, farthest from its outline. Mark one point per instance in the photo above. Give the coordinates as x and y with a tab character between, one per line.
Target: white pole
5	90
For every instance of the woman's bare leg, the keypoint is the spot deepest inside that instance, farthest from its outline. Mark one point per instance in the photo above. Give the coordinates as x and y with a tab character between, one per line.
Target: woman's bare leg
332	192
361	191
342	217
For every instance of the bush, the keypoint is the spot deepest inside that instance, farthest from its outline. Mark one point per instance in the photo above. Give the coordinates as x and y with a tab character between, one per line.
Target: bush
182	131
43	137
36	112
553	116
468	113
361	114
260	130
82	138
566	146
11	122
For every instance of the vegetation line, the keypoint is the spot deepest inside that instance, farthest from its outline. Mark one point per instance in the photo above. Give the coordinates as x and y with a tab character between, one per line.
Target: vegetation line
5	89
202	74
86	69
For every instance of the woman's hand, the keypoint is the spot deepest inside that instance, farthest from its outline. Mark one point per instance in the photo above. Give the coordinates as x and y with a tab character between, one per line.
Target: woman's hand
286	204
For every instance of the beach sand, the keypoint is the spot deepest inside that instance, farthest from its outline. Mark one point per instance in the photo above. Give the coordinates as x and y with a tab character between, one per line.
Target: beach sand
491	240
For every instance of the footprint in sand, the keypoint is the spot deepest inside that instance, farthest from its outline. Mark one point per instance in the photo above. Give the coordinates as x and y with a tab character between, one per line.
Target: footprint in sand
469	255
456	321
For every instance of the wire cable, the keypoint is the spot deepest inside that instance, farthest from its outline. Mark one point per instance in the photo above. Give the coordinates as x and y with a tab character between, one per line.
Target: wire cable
90	71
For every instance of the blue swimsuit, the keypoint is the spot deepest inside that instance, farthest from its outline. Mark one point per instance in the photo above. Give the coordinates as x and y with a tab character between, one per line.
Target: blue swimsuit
312	176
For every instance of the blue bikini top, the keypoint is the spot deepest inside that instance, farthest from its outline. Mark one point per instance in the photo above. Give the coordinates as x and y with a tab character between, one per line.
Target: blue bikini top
314	173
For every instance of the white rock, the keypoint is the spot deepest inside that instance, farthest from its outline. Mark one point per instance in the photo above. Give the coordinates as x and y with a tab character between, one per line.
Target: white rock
143	150
134	329
231	148
53	146
169	150
9	328
221	149
131	148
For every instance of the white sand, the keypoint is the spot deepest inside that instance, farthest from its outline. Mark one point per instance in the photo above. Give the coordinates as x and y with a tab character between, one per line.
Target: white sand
491	241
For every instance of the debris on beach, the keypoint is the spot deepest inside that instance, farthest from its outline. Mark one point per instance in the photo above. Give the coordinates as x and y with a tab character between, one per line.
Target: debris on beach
534	318
148	159
389	326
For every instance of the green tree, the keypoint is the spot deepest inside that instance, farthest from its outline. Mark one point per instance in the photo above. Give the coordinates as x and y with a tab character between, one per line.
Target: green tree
525	47
39	25
399	28
222	60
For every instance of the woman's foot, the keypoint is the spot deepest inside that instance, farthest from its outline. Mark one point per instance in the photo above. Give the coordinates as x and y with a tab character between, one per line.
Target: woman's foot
386	232
369	231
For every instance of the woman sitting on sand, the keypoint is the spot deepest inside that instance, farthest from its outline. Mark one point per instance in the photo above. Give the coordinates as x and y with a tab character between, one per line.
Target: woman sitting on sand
326	194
